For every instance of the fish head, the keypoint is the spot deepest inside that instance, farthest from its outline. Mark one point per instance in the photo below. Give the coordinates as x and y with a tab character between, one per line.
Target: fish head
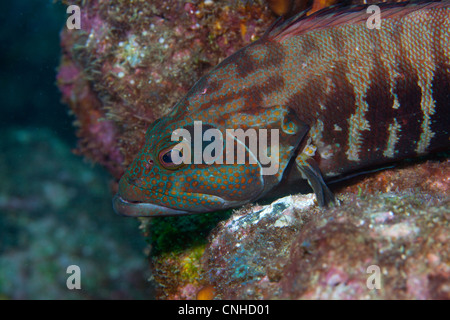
157	185
196	160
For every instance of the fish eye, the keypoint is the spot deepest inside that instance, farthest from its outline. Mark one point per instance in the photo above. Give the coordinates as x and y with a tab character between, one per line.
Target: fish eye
165	158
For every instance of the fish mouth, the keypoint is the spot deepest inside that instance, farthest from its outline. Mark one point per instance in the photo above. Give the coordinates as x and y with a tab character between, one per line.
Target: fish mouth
142	209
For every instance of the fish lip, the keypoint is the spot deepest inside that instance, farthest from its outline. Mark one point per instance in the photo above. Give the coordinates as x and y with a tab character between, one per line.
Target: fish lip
142	209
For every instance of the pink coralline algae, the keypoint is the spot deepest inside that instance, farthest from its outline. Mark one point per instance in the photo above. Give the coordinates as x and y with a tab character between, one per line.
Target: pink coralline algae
97	135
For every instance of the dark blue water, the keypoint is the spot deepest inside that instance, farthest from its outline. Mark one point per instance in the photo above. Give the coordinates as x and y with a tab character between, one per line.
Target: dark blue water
55	207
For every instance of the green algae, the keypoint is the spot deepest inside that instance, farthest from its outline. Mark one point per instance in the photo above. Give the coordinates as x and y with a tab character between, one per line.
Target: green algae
176	234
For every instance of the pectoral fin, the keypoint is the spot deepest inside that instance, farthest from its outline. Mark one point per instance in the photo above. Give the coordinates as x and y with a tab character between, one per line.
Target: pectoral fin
311	172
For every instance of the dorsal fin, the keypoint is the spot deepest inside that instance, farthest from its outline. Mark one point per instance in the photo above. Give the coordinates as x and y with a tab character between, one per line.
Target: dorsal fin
340	15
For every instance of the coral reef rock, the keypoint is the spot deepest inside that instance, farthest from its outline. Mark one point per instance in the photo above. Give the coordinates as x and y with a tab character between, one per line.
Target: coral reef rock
289	250
130	63
388	239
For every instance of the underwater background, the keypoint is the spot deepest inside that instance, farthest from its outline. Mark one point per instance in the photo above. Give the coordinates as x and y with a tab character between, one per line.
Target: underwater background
55	207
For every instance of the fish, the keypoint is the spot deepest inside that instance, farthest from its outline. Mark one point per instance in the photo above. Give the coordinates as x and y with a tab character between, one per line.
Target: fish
327	94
